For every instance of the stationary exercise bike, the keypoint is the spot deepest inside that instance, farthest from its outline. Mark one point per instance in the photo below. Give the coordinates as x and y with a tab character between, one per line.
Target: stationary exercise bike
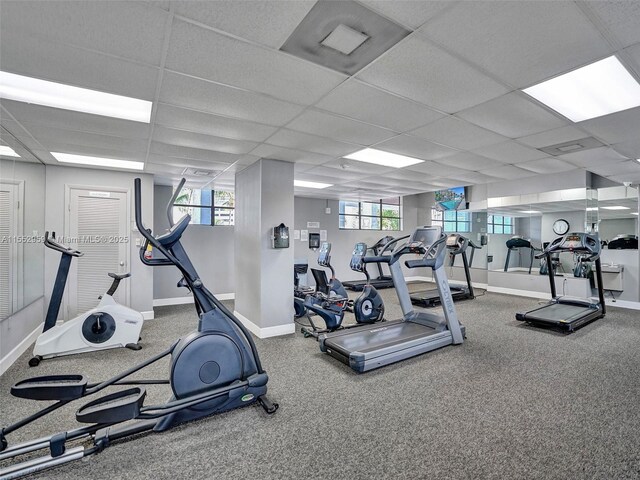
367	308
213	369
108	325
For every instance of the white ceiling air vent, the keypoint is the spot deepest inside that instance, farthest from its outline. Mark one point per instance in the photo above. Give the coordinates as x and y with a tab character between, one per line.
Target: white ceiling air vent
198	172
572	146
343	35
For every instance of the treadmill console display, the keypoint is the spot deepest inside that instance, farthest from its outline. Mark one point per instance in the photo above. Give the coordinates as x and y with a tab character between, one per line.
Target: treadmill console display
324	254
358	254
426	236
576	242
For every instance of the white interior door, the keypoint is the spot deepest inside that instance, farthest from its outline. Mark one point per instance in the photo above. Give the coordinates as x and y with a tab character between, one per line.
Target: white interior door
9	204
97	227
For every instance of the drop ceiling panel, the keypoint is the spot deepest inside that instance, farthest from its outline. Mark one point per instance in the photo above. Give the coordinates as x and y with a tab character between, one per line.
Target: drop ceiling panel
594	157
269	23
290	155
627	177
418	70
630	149
510	152
416	147
512	116
408	12
340	175
368	104
434	169
49	135
339	128
165	149
311	143
630	167
187	162
205	142
70	65
553	137
31	114
240	64
210	97
470	161
521	43
615	128
126	29
448	182
547	165
458	133
360	167
470	178
206	123
508	172
621	18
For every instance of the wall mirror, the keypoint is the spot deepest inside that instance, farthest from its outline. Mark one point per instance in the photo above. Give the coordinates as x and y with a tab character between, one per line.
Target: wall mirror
617	220
22	186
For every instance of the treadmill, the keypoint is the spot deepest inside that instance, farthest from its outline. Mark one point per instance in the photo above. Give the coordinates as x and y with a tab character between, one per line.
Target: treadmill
569	313
456	245
375	346
385	244
515	243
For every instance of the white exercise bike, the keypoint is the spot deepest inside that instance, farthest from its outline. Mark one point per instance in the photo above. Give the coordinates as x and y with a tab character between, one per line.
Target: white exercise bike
108	325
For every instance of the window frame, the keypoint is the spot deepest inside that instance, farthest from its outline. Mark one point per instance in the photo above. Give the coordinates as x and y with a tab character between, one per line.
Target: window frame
212	208
380	217
491	224
442	220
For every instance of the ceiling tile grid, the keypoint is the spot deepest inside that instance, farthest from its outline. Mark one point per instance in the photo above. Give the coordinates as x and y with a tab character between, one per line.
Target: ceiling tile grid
225	96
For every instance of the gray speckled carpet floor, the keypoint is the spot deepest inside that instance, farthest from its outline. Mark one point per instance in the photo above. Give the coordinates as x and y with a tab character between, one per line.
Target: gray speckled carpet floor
512	402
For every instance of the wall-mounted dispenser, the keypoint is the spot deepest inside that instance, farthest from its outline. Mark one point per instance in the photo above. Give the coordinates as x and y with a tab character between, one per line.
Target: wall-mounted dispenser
314	241
280	236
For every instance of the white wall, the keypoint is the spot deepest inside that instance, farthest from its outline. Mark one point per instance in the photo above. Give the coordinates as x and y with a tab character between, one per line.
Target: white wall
343	241
57	180
210	249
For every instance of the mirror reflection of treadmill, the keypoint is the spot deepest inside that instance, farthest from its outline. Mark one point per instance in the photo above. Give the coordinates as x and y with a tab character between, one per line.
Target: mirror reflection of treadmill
385	244
456	245
570	313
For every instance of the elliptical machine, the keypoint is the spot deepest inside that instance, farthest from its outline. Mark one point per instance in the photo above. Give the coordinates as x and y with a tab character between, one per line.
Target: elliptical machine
213	369
367	308
108	325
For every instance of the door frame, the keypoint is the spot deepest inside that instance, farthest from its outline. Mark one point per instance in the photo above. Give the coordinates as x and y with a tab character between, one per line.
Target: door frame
17	268
68	188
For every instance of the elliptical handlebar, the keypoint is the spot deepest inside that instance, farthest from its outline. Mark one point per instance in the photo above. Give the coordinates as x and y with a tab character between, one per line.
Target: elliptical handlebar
150	239
174	197
52	244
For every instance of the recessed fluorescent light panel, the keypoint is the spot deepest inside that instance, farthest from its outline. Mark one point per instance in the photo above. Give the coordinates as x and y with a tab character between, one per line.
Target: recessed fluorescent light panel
7	151
304	183
379	157
57	95
615	207
97	161
530	211
598	89
592	209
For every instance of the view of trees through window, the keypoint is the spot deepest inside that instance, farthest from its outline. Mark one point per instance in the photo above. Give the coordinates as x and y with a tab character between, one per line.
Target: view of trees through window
206	207
385	214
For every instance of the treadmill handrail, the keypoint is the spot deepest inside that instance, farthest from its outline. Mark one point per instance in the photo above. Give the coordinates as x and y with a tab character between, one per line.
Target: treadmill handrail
392	242
434	256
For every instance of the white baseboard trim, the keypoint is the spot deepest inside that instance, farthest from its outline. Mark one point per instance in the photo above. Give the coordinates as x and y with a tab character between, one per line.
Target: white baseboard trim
23	346
622	304
163	302
521	293
267	332
148	315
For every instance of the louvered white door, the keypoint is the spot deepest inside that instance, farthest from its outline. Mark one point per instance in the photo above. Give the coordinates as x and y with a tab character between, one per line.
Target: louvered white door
8	248
98	228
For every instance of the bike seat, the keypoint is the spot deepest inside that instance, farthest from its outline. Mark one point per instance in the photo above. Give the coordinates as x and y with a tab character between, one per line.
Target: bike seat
117	276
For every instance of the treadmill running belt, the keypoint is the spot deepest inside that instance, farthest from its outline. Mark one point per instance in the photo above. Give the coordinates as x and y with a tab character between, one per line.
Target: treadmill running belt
558	313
